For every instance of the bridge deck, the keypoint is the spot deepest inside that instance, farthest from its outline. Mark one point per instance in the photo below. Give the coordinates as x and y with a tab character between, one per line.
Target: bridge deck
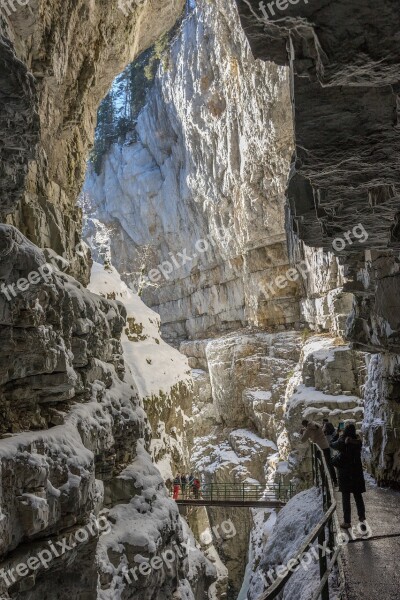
232	503
244	495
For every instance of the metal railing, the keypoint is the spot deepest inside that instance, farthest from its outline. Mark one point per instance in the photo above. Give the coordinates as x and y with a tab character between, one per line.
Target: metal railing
326	532
239	492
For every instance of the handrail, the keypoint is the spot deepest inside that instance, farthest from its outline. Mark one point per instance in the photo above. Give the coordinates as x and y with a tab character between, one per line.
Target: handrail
238	491
330	520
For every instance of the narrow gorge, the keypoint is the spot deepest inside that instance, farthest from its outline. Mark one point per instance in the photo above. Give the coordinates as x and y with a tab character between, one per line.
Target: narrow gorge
186	282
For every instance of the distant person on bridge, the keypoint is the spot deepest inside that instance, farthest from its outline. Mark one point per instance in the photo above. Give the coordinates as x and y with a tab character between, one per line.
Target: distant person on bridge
196	488
177	487
351	474
190	482
184	482
312	431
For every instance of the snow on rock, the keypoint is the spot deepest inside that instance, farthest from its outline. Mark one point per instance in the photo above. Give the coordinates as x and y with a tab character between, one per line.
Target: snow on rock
284	535
226	456
48	475
156	367
161	374
146	527
327	383
211	157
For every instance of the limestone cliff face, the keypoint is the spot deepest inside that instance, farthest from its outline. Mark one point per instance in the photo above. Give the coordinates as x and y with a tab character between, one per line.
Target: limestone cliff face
345	169
76	442
76	475
210	164
252	390
206	177
58	60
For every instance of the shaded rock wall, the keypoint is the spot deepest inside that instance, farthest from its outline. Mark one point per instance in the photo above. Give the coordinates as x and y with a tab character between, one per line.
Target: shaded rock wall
58	60
344	62
347	83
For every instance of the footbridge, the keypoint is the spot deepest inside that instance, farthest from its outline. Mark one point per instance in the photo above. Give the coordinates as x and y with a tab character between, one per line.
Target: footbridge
238	495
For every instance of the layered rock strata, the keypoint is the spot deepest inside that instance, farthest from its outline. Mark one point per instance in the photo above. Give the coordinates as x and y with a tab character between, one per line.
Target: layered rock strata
202	189
345	84
252	390
76	440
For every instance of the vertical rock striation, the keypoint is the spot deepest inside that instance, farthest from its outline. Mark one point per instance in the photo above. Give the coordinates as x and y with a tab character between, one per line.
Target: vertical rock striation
206	178
344	70
76	476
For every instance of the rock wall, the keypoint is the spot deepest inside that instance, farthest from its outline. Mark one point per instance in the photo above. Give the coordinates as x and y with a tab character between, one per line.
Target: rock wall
162	375
76	475
209	169
76	441
344	92
58	60
251	392
195	174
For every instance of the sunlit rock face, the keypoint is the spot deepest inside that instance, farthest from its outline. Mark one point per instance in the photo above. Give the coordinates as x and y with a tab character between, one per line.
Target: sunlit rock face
206	179
243	363
328	382
57	63
252	390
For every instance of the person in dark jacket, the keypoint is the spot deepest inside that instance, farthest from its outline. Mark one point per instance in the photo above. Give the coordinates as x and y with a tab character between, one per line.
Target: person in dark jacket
351	473
184	482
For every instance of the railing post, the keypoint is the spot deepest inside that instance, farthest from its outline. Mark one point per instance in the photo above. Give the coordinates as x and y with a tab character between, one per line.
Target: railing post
316	467
313	463
243	492
323	487
323	563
